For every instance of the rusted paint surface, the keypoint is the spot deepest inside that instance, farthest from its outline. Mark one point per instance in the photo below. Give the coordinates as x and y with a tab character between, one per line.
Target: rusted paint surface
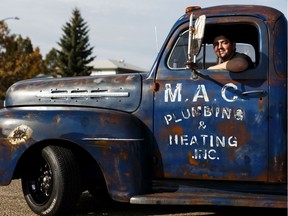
211	198
119	154
261	12
118	92
19	135
169	124
212	193
252	133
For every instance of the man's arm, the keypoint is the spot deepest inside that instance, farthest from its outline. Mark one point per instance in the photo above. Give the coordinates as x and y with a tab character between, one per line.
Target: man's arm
237	64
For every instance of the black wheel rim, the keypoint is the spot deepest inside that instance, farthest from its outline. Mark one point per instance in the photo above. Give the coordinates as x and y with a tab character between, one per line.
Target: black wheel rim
40	183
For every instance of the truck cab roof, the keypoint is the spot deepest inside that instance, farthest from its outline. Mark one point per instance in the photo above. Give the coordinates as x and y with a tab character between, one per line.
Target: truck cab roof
259	11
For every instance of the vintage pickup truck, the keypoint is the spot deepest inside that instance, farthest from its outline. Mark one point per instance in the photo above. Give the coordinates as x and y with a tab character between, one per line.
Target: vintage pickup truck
179	134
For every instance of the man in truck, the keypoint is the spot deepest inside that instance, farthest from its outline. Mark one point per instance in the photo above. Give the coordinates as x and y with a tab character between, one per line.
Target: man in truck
227	57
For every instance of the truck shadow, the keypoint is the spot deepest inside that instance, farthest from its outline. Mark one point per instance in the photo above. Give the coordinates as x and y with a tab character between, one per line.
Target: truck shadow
89	205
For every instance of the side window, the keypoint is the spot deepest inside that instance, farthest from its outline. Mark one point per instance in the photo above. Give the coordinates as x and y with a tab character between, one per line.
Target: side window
210	57
247	45
178	56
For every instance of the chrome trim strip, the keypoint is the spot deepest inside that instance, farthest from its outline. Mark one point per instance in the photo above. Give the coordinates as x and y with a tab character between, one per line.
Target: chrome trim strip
110	139
85	95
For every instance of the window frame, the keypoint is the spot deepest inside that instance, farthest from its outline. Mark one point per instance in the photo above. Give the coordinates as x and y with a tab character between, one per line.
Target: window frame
203	51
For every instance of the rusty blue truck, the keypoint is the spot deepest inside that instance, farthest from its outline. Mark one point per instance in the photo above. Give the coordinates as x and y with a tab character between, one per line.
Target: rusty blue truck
178	134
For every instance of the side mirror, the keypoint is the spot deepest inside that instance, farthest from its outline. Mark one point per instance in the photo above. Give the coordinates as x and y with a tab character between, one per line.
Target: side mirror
196	34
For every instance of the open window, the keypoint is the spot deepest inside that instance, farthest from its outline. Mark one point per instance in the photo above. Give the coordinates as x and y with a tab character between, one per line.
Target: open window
245	36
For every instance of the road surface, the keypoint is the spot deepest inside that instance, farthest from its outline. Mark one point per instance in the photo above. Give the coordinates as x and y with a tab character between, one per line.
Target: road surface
12	203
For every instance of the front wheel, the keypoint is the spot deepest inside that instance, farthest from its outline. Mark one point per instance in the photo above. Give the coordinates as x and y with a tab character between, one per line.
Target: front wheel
52	186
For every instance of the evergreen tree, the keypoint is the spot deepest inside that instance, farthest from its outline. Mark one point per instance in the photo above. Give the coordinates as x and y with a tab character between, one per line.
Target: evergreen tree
52	63
75	53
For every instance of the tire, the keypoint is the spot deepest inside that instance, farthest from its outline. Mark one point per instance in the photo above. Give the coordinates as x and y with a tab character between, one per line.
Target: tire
52	184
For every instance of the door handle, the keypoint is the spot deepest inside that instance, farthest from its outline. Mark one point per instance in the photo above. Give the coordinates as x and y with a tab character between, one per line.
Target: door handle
254	92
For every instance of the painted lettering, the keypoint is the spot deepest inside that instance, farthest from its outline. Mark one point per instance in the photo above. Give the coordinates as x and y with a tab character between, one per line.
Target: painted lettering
203	146
224	89
201	93
203	140
173	95
205	154
206	112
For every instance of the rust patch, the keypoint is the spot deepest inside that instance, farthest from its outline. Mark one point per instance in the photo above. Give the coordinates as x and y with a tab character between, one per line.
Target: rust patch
20	135
262	103
57	119
279	173
176	130
191	159
123	154
236	128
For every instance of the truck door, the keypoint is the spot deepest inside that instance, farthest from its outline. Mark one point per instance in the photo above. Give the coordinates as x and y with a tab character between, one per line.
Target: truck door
212	124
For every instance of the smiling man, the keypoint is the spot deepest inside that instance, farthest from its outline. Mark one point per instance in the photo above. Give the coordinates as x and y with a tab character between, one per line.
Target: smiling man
227	57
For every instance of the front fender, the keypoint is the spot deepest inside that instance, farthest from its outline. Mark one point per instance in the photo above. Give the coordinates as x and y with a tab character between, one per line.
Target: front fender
115	139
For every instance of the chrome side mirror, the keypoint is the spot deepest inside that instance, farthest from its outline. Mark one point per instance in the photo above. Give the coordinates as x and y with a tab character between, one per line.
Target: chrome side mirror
196	34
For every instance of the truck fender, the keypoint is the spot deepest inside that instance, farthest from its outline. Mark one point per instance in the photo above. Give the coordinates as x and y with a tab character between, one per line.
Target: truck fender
116	140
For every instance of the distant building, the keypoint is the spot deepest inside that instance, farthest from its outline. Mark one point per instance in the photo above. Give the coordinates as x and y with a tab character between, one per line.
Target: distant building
108	66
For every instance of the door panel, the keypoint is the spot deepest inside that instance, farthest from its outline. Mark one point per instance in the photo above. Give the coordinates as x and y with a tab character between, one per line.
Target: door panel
214	125
206	128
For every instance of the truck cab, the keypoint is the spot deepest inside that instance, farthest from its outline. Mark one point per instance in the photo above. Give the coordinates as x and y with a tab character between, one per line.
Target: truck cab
181	134
219	120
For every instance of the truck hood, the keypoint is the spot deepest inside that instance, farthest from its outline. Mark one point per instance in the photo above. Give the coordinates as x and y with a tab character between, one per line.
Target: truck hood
120	92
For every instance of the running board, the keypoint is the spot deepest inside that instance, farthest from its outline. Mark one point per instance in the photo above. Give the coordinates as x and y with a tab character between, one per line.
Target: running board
204	196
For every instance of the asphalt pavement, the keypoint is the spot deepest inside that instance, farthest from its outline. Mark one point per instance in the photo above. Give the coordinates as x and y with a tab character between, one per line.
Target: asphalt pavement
12	203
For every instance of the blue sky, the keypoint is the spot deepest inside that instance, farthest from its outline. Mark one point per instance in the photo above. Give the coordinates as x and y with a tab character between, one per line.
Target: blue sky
132	30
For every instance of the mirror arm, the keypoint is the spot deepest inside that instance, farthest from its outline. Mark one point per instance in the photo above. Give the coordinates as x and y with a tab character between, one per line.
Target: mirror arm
191	63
